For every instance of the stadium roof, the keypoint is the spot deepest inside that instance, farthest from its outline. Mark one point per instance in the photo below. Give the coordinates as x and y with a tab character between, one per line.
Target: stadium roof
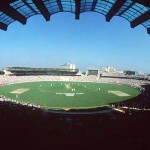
137	12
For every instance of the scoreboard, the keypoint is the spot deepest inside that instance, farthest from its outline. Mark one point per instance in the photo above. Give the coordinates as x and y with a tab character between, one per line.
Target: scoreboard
92	72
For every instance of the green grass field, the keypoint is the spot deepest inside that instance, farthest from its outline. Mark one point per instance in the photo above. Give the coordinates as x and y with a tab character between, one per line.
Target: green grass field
68	95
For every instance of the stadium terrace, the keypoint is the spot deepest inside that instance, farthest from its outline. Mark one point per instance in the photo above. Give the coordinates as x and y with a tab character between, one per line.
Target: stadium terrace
18	71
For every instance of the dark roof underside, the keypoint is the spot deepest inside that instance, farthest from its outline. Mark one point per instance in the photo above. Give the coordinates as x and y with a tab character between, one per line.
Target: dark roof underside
137	12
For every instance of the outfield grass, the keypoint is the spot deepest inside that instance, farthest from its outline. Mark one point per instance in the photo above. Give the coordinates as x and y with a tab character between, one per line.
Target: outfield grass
71	95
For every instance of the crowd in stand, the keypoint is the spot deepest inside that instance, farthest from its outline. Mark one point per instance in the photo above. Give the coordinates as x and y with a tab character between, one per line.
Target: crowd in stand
13	102
140	103
4	80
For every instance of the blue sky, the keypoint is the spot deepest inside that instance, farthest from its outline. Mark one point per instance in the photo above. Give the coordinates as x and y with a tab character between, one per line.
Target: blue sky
88	42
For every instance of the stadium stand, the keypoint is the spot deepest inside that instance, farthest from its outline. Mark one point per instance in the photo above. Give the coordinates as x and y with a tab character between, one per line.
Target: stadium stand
1	72
24	71
121	130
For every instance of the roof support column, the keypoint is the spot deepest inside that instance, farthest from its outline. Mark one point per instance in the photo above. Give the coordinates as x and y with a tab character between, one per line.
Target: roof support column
143	2
114	9
144	17
25	2
3	26
148	30
12	13
93	5
126	8
60	5
42	8
77	13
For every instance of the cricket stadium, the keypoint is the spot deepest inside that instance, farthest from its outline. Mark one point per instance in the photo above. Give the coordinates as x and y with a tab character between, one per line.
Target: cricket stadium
64	108
65	95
